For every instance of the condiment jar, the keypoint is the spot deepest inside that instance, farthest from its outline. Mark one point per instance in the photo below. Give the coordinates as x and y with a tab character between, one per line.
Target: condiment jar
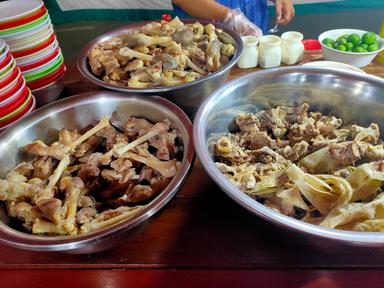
292	47
249	56
269	51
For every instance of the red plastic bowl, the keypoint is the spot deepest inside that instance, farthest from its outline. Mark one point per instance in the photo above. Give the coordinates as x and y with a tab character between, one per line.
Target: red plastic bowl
14	104
10	78
19	114
311	44
21	21
11	92
41	61
44	81
36	48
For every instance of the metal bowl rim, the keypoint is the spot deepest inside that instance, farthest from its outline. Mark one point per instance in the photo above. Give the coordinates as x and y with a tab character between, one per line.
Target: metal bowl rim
23	240
368	239
82	59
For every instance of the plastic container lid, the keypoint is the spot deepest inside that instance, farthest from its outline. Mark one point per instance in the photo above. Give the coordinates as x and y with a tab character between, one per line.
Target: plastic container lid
311	44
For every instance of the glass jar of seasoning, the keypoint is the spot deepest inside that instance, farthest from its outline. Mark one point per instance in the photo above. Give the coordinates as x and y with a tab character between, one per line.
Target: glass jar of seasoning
249	55
292	47
269	51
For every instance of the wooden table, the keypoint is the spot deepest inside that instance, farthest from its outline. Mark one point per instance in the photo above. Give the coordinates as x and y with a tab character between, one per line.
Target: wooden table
200	238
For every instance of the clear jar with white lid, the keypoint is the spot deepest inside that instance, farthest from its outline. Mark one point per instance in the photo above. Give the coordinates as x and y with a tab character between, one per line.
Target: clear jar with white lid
269	51
249	55
292	47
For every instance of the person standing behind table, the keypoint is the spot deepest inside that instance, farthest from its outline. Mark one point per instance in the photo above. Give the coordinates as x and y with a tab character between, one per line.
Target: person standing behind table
255	11
248	17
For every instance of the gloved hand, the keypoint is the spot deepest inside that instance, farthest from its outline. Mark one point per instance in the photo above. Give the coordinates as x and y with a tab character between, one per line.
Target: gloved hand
237	21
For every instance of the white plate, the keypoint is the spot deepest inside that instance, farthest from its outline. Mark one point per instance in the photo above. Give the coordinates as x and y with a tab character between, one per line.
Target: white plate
17	41
28	32
37	55
30	43
334	65
2	129
14	9
4	53
11	84
33	71
2	45
9	72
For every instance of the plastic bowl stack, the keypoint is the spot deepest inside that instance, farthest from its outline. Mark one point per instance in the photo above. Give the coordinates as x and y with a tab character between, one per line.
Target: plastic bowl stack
28	31
16	99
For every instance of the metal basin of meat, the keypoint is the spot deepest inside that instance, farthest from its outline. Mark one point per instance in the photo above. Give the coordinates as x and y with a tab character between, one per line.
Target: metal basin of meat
355	98
186	94
75	113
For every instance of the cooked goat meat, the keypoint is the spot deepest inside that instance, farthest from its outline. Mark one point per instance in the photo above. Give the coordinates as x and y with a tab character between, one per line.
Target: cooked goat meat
274	120
89	146
24	168
247	122
121	165
369	135
327	125
197	56
159	183
67	138
43	167
112	137
86	201
56	150
258	140
168	61
71	186
85	215
137	126
146	174
122	177
346	153
295	152
91	166
213	55
164	143
338	136
111	190
296	114
140	193
305	131
184	37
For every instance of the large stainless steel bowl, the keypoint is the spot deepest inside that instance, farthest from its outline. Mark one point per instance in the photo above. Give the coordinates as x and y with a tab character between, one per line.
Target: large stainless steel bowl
351	96
188	96
77	112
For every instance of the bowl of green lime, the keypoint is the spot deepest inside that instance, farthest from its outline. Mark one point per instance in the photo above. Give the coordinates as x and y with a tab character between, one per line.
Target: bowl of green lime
351	46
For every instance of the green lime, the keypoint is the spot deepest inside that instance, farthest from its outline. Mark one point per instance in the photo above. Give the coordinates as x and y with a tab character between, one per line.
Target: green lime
359	49
335	45
349	46
345	36
369	38
354	39
342	41
365	46
328	44
342	48
328	40
373	47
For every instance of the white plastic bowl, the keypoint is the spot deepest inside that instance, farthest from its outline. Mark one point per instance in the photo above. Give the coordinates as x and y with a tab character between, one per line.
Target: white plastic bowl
333	65
352	58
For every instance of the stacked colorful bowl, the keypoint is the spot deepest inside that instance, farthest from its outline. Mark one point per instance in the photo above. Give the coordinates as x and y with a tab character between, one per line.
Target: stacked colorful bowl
16	99
27	29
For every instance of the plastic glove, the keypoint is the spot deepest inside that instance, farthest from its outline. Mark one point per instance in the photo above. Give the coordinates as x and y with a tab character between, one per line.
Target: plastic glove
237	21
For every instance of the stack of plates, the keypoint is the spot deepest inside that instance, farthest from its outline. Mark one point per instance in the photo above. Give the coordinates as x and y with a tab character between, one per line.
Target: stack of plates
27	29
16	99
